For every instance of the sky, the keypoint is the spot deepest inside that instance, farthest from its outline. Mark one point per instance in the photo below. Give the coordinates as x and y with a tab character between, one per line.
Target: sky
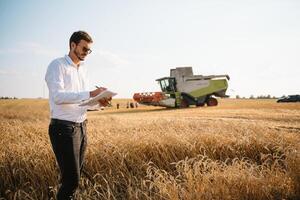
255	42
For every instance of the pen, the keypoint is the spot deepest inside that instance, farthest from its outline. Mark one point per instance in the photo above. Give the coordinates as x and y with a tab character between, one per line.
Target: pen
100	87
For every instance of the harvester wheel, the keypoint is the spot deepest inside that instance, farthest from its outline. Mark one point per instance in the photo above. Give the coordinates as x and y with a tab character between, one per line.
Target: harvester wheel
184	104
212	101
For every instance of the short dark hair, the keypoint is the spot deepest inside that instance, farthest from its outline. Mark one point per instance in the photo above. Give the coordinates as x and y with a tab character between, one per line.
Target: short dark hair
79	35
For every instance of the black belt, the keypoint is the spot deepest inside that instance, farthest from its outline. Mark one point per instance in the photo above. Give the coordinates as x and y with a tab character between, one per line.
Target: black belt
65	122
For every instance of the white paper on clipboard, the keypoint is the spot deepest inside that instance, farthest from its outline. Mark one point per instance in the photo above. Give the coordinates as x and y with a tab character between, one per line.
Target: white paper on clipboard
94	101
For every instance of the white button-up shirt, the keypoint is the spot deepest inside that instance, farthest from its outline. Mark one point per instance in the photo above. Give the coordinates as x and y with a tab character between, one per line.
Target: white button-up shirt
68	87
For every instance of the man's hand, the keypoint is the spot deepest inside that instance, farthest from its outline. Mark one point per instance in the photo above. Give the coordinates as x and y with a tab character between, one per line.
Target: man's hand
97	91
104	102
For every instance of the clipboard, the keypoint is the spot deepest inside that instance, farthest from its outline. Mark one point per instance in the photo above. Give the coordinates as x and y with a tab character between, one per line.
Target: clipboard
94	100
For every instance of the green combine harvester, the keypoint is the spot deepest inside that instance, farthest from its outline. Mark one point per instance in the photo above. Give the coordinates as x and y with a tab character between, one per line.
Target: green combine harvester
182	89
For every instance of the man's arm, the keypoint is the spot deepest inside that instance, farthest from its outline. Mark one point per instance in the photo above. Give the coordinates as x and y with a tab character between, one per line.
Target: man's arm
55	82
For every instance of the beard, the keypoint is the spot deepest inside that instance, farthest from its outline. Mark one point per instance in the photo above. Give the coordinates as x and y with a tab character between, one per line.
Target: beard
81	57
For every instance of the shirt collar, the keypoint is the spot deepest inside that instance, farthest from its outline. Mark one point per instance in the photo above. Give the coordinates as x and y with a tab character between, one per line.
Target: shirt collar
70	61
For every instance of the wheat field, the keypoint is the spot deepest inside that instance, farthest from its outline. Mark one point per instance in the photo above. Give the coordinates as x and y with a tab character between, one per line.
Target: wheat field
241	149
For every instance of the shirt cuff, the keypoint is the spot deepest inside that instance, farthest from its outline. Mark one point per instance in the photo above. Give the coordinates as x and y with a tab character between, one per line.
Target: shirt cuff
84	95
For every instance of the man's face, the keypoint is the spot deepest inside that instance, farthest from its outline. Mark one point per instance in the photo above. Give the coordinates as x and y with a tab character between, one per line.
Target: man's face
82	49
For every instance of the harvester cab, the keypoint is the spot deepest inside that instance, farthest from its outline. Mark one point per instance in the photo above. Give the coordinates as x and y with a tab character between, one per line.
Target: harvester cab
167	84
182	89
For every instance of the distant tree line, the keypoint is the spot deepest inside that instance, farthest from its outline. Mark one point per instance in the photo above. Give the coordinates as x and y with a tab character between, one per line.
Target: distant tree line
8	98
257	97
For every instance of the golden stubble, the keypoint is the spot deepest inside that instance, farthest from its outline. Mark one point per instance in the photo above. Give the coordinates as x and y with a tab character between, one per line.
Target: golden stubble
242	149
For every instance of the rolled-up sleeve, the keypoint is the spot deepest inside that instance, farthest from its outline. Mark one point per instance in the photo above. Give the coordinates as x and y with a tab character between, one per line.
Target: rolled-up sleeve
54	78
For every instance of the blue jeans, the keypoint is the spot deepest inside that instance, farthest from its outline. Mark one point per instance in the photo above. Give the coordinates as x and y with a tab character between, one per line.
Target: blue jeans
69	142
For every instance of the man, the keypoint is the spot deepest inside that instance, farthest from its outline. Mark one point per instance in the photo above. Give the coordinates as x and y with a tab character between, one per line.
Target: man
68	87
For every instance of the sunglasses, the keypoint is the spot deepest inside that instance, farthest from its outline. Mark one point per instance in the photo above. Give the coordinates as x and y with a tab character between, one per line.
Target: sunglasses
86	50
